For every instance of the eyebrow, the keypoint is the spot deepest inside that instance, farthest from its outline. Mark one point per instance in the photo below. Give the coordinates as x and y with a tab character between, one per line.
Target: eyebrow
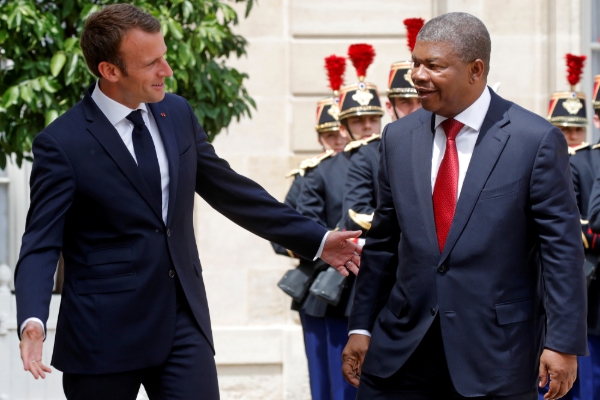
429	60
156	59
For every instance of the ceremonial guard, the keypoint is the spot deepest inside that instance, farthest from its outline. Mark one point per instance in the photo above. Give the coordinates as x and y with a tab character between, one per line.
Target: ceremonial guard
567	111
321	199
360	193
585	164
567	108
297	281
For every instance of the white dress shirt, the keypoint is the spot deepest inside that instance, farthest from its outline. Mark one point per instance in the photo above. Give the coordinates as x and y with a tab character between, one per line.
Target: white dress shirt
117	113
472	118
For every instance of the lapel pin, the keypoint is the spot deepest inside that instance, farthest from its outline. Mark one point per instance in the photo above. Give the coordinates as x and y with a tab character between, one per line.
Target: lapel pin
163	114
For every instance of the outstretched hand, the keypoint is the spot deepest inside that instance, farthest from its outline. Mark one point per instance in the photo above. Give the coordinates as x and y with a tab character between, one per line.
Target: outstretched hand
341	253
32	340
562	369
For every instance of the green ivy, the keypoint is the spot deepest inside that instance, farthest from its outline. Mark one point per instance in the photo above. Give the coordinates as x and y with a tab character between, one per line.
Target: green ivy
43	73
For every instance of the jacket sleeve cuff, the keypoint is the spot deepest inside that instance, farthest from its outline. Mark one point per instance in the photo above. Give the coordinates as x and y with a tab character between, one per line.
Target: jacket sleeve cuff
359	332
320	251
34	320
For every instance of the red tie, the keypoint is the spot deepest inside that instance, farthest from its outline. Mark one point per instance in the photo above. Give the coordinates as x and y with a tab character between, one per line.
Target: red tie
446	183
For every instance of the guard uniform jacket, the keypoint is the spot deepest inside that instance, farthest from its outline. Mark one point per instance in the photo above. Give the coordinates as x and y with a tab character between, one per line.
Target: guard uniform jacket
321	199
585	162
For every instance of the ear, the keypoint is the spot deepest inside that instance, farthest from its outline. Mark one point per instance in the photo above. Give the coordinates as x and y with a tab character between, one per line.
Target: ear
389	108
596	121
476	70
344	131
109	71
320	140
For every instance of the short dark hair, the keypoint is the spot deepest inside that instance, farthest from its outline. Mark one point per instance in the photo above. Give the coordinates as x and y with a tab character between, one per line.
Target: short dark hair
104	30
466	32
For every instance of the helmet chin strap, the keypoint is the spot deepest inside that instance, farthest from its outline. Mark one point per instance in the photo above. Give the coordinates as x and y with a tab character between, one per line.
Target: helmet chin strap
393	101
345	123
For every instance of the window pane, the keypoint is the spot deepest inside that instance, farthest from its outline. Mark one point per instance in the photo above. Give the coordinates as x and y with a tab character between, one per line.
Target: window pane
595	31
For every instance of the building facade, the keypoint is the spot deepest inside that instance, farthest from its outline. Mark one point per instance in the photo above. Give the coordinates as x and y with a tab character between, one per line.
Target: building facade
258	339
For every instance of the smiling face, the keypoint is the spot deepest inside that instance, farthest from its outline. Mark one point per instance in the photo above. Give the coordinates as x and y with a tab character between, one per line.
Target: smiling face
143	78
446	85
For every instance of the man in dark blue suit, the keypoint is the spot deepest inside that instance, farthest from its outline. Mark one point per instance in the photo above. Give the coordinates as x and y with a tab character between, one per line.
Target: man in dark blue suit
112	187
471	283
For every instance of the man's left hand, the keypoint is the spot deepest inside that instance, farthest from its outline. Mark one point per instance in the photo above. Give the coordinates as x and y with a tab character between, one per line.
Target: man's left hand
562	369
341	253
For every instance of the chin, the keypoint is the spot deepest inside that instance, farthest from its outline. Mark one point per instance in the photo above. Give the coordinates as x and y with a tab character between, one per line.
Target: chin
156	98
429	106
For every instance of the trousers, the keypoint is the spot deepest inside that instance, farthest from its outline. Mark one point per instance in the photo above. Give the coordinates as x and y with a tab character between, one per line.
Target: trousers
324	341
189	373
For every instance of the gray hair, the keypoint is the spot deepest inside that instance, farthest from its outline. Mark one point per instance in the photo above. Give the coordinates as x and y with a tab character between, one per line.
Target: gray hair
468	35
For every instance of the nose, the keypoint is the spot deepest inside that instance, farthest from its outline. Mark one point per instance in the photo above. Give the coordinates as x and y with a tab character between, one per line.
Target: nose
166	69
367	126
418	74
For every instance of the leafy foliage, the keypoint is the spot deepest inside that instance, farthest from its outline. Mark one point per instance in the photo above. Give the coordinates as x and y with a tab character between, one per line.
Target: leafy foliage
43	73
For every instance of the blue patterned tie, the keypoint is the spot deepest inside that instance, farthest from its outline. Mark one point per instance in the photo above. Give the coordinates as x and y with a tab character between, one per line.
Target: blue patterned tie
145	153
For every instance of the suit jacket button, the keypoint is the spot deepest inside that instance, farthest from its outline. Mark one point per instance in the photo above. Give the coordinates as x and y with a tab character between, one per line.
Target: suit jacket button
171	273
168	233
433	311
442	268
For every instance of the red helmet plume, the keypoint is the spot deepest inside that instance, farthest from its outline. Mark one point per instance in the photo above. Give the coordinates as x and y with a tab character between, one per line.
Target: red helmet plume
335	66
574	68
362	56
413	26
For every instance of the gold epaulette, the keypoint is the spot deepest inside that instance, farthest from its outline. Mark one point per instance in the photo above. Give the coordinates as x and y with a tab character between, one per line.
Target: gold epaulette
362	220
353	145
373	137
310	163
294	172
573	150
596	146
357	143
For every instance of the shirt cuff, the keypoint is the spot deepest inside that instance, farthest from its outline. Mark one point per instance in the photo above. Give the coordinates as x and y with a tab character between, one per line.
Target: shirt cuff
320	251
359	332
34	320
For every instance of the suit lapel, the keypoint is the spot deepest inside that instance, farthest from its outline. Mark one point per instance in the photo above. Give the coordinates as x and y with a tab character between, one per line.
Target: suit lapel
489	146
165	127
108	137
422	147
